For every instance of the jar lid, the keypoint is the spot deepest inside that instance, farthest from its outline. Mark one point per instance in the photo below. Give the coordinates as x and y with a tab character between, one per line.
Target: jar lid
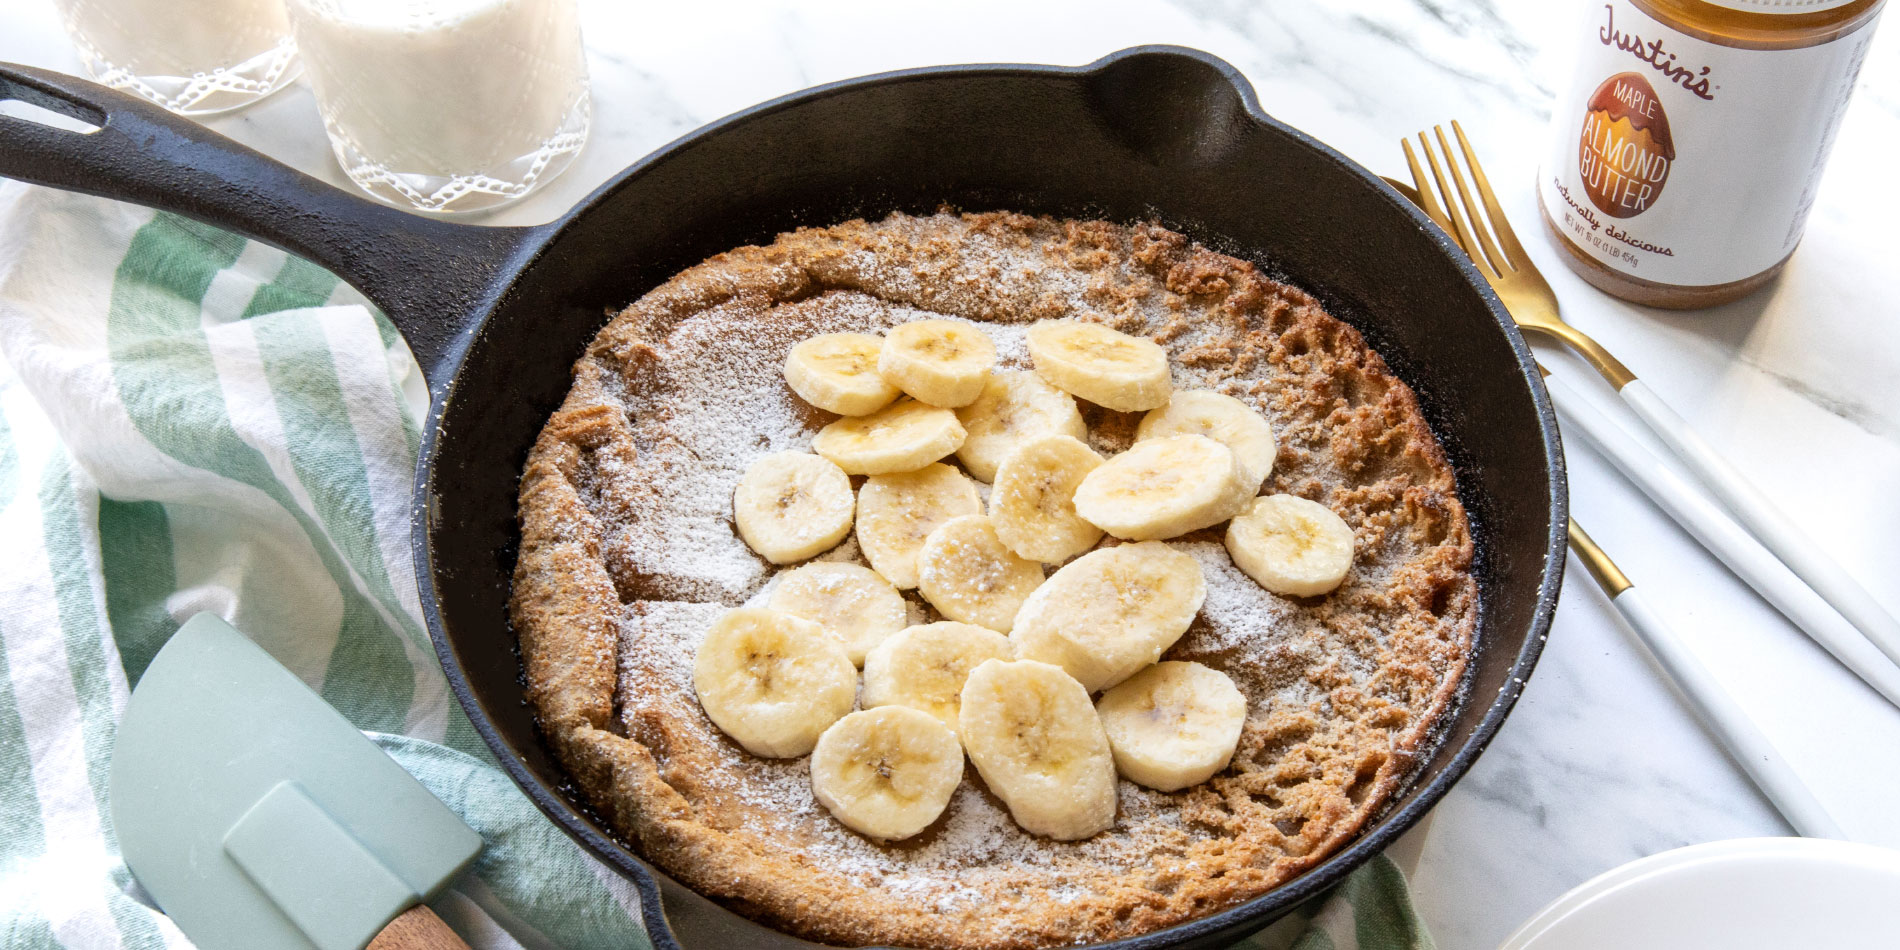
1779	6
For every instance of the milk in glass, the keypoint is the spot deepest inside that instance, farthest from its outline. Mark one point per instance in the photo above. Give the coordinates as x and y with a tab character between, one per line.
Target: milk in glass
451	105
194	58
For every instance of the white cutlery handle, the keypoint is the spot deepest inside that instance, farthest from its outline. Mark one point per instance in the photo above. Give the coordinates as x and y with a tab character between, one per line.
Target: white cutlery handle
1719	533
1749	748
1766	522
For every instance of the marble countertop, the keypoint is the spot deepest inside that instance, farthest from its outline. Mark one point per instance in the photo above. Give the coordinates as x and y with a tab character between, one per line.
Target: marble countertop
1798	385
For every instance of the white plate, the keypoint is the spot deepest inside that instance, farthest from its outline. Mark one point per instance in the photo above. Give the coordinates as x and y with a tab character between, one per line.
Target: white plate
1745	894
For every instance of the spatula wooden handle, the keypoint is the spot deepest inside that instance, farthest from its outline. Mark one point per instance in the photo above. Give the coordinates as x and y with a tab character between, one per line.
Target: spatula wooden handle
417	928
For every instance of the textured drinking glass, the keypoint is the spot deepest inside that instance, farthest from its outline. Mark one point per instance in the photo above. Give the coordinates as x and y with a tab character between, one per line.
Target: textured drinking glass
447	105
193	58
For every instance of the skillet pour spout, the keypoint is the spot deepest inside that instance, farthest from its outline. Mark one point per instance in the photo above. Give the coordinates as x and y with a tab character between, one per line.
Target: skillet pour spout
496	317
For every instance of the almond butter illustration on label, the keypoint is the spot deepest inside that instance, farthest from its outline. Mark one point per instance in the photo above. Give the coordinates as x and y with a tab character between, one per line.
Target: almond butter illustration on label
1625	150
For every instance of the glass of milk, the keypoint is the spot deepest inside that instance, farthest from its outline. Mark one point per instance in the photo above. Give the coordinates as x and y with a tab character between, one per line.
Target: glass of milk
447	105
194	59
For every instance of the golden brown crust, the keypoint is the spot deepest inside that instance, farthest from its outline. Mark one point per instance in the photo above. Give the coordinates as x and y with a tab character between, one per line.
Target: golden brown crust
623	563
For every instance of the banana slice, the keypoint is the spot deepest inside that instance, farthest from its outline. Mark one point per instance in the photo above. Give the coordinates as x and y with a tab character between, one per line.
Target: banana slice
1032	503
1163	488
902	437
897	512
1015	406
967	573
1291	546
886	773
853	602
940	362
1109	613
1173	724
1224	419
1037	743
838	372
1110	369
792	505
771	681
924	667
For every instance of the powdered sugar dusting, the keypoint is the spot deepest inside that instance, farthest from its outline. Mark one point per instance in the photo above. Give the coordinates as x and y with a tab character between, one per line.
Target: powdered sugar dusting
738	411
719	402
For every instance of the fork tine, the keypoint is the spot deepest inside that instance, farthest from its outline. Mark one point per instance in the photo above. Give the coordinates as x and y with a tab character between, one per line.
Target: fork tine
1466	238
1427	195
1478	224
1513	251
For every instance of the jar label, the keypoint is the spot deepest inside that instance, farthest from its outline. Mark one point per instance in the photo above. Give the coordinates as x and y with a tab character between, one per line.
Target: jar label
1780	6
1682	162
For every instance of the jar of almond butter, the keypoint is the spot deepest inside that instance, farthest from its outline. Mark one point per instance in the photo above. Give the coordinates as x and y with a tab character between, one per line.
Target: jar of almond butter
1688	145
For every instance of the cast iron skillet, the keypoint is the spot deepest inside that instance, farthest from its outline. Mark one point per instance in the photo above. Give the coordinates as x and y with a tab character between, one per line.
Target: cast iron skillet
496	316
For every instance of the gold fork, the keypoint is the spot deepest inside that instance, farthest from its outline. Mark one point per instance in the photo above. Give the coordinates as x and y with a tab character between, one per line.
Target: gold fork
1502	262
1487	237
1530	301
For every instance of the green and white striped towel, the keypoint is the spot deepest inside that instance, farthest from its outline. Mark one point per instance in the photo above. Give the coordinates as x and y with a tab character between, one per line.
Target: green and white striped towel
190	421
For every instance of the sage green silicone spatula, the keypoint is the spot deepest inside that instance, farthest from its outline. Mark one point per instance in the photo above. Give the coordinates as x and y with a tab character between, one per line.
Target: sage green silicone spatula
260	819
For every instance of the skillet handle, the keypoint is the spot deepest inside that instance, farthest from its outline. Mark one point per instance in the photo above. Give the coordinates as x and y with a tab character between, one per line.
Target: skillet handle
434	279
